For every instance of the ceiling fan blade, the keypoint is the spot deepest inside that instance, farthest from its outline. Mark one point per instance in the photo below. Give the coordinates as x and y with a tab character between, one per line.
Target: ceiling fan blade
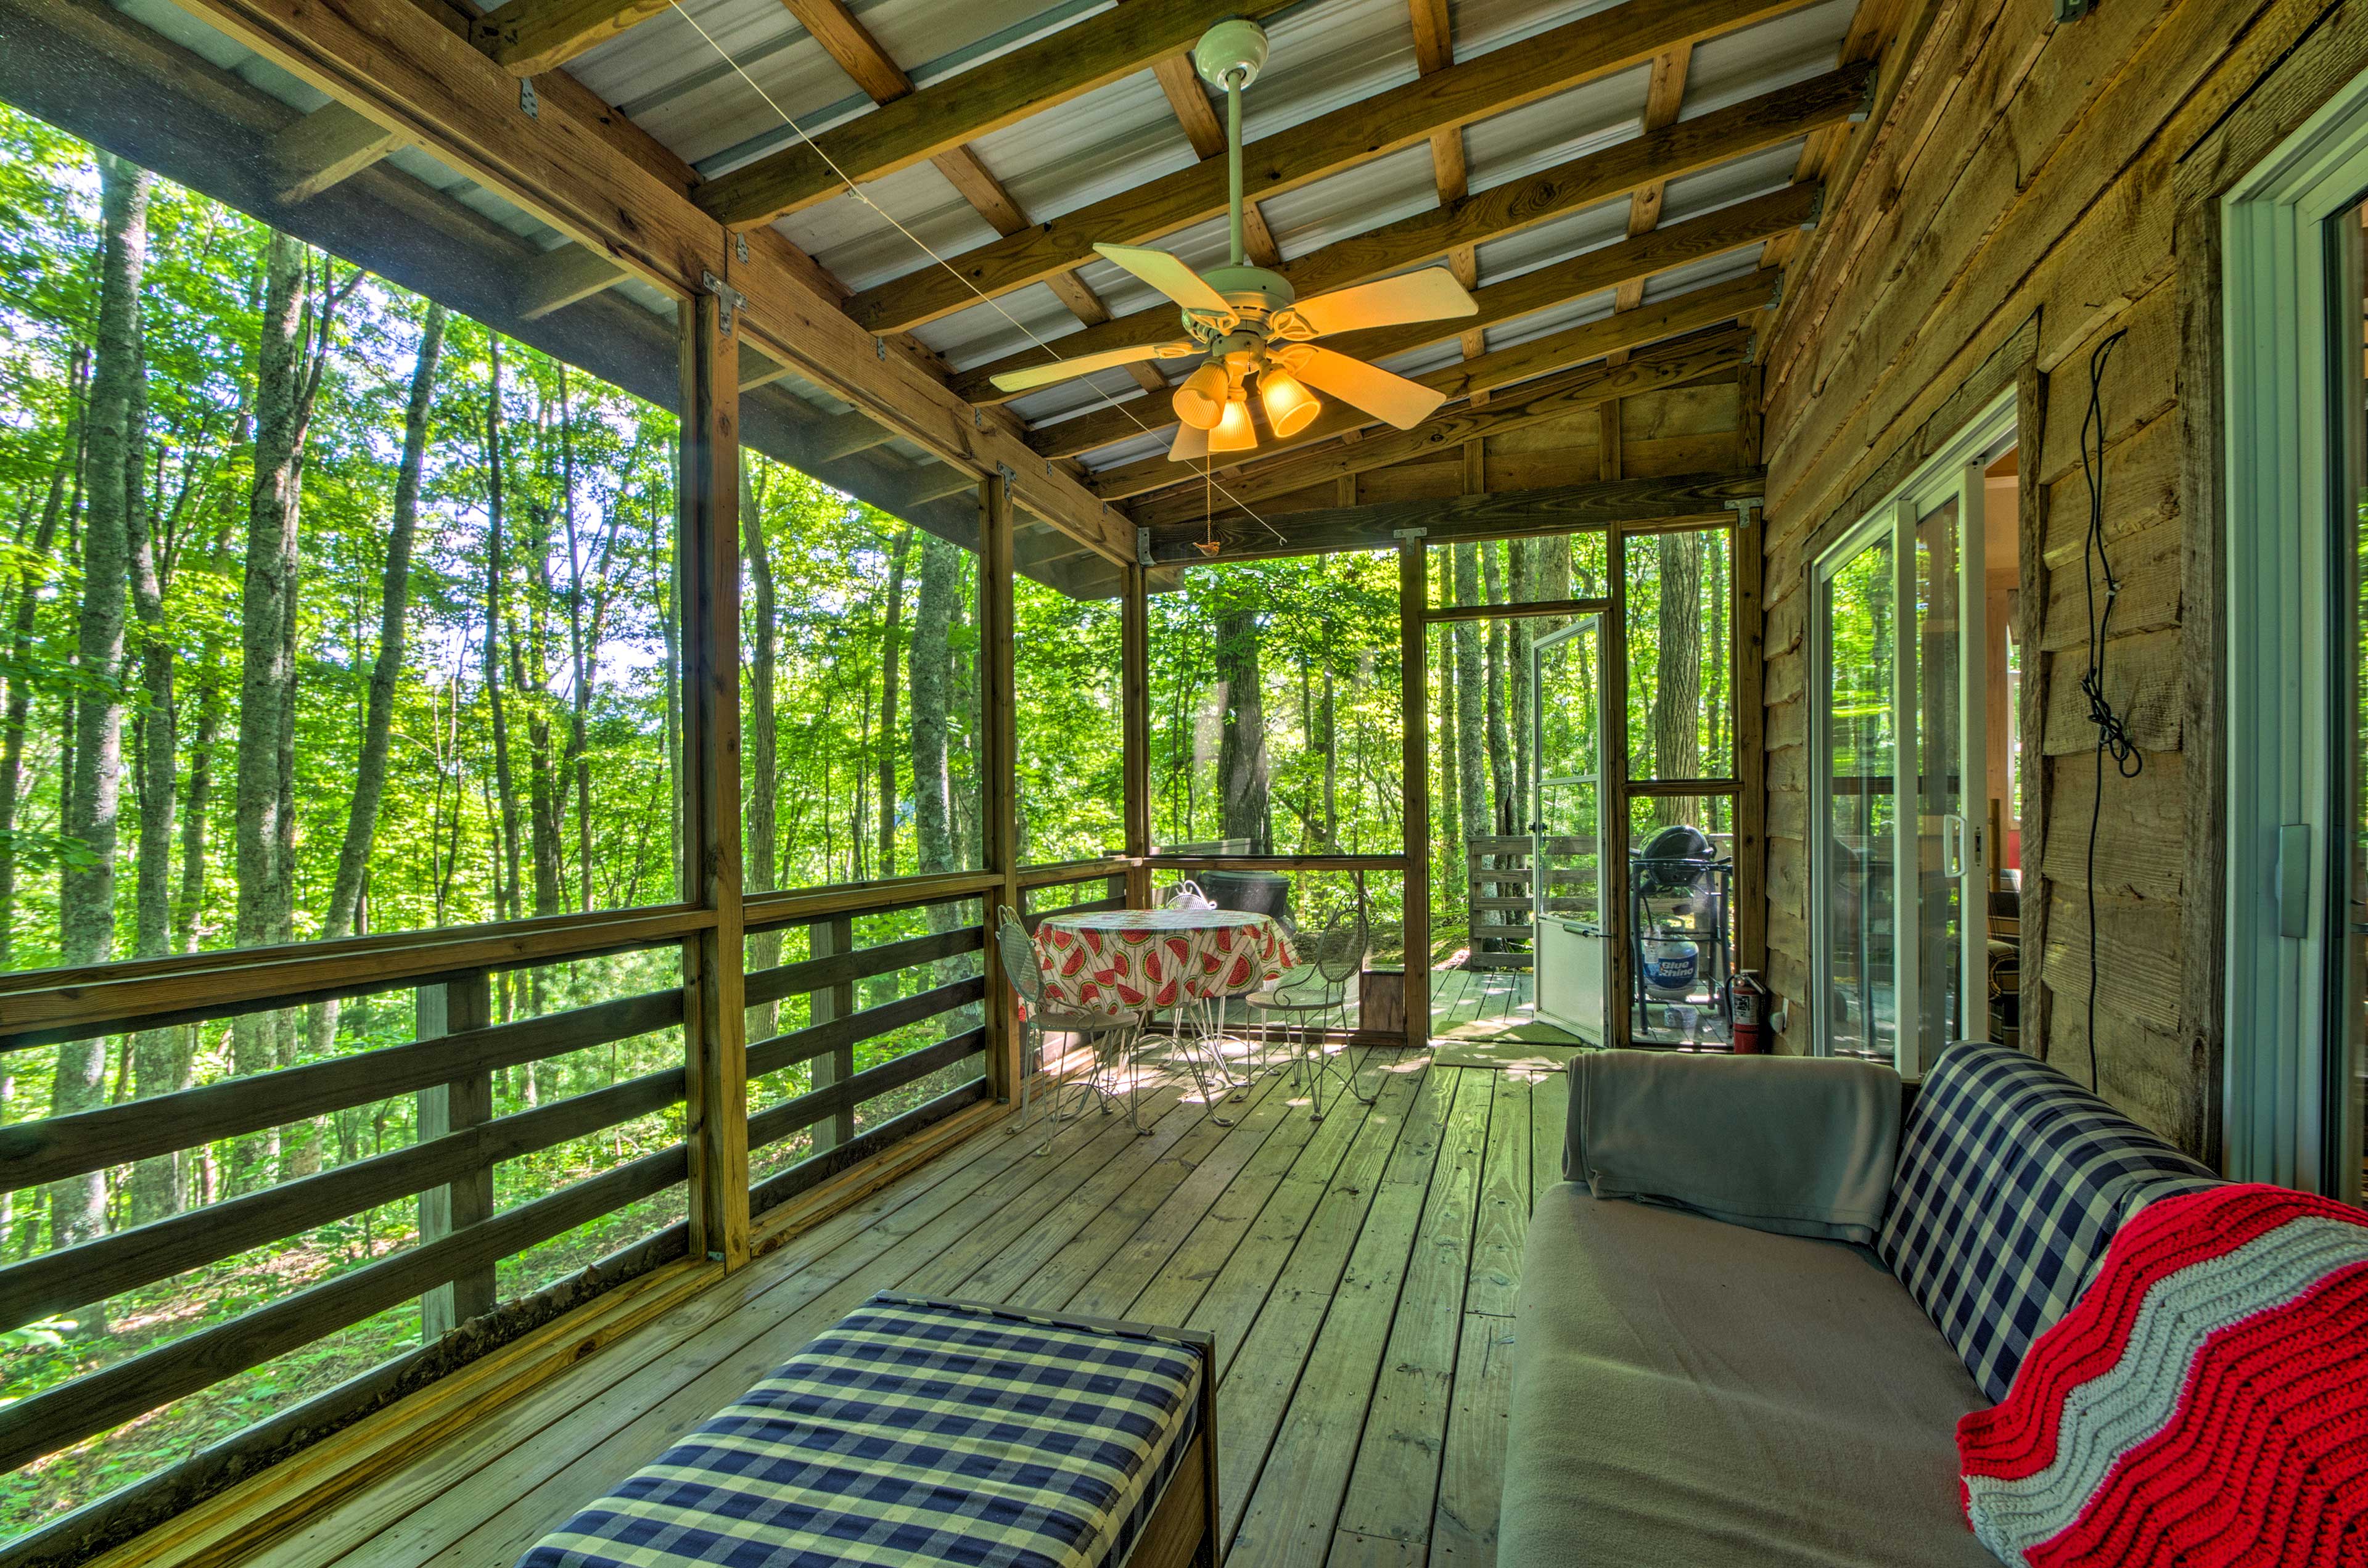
1191	445
1167	275
1432	294
1087	364
1402	402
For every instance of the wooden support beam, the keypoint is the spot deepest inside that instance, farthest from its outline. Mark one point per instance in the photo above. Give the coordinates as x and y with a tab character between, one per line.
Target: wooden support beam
527	38
396	64
441	1008
1134	719
1724	135
563	276
850	43
1414	778
1044	74
759	370
1748	640
331	144
828	938
1677	314
1492	83
1663	97
1677	363
714	989
998	767
1508	514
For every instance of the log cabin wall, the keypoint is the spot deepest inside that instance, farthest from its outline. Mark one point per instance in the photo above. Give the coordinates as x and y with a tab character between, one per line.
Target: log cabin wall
2028	190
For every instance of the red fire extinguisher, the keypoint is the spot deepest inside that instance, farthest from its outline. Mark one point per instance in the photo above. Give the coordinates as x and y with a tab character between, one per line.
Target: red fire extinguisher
1747	1004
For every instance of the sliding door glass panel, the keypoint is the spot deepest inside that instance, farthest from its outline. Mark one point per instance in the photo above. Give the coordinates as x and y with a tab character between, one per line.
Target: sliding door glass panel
1943	831
1680	714
2347	1031
1856	626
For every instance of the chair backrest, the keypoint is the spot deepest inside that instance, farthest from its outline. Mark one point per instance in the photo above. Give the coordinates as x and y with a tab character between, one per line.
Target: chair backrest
1020	964
1340	951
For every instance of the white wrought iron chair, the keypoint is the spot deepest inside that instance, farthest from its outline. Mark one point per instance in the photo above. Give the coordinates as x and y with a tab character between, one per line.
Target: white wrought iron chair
1308	999
1111	1034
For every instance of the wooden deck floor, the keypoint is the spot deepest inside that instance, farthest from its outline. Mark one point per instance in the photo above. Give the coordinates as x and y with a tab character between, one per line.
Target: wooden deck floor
1358	1275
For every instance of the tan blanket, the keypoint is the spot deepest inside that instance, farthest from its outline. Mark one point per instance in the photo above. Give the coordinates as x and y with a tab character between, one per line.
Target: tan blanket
1802	1146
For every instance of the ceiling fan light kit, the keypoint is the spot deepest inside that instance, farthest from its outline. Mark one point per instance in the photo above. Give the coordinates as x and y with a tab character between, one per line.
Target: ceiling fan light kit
1246	322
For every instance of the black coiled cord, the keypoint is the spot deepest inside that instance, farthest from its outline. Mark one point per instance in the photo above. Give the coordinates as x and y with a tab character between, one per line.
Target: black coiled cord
2112	732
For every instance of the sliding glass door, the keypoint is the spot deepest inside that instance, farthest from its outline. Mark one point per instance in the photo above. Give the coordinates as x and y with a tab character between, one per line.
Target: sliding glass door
1899	865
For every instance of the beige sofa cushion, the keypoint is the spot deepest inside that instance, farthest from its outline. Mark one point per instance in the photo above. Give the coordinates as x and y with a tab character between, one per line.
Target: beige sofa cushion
1697	1394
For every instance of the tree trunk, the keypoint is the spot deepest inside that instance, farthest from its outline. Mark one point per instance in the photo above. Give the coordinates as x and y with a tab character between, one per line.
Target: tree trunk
888	664
158	1064
87	894
933	614
20	641
267	670
1677	686
1241	775
762	829
1522	577
1330	712
1471	719
507	881
1500	749
386	670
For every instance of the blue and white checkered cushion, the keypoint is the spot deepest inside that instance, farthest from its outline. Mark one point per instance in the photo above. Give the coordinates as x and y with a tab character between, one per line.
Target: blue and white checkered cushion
913	1433
2011	1179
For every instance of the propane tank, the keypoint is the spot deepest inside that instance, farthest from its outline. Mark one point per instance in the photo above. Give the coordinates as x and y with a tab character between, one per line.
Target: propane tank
1747	1004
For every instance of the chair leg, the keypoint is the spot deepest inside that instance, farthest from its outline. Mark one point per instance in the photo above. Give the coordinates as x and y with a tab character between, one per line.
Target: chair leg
1028	1086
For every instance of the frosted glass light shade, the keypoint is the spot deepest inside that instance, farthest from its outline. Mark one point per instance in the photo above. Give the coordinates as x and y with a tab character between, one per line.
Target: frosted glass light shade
1199	399
1234	432
1290	406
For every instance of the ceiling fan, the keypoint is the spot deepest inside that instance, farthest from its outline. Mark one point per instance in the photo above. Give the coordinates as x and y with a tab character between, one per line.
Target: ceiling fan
1246	322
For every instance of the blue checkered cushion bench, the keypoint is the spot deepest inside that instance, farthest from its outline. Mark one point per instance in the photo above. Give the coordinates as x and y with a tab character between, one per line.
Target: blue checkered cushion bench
2011	1179
922	1432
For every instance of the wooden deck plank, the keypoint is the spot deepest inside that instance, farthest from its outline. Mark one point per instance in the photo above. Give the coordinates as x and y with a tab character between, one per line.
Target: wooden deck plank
1471	1470
1356	1273
1161	1208
1262	1381
1394	1481
1148	1284
1502	1227
1223	1276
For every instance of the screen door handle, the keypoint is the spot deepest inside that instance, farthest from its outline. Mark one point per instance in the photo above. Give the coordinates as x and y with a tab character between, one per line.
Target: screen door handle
1953	846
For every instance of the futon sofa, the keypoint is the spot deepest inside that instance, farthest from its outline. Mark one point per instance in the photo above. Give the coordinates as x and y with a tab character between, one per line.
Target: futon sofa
1777	1380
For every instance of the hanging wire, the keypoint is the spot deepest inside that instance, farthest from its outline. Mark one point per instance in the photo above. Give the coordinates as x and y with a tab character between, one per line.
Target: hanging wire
2112	732
923	246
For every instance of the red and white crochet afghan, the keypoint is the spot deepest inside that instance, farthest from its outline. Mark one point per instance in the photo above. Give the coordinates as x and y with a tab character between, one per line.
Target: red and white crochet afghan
2205	1403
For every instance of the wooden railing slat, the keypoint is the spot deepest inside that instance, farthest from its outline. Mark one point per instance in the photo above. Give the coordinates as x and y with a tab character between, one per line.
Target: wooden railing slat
58	1281
837	968
34	1152
776	1122
798	1045
809	1173
60	1416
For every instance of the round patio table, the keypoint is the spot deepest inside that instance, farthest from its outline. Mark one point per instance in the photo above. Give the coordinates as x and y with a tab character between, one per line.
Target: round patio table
1190	960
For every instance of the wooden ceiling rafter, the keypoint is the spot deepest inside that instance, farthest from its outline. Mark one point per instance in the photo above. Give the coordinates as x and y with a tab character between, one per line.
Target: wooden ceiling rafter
858	52
1663	99
1731	132
1434	51
1055	70
1480	88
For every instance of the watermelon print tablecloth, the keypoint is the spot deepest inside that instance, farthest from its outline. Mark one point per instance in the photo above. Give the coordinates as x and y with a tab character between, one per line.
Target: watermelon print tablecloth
1159	957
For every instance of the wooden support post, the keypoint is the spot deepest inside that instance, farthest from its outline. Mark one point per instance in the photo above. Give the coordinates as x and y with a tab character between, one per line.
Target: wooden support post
450	1008
998	762
827	939
707	555
1748	640
1134	689
1413	783
1612	842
